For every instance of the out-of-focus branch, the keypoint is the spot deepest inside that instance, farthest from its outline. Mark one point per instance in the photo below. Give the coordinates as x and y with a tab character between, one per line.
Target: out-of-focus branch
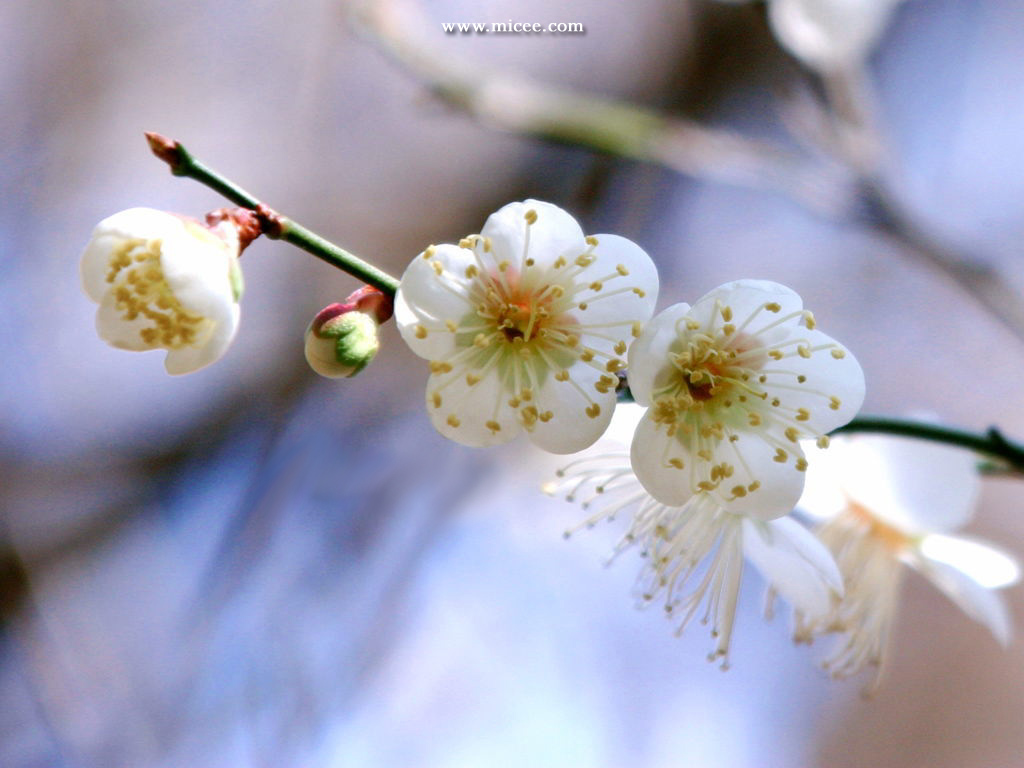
524	106
978	279
860	145
853	188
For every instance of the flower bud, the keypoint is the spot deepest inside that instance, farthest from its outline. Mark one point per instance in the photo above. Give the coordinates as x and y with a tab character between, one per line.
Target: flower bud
342	339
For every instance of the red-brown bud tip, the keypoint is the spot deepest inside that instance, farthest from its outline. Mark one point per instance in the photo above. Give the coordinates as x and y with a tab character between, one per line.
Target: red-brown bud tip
329	312
164	148
372	301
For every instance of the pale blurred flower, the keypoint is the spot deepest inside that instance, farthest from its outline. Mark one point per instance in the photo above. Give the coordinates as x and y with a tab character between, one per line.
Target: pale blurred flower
164	282
890	502
732	384
679	541
525	326
829	34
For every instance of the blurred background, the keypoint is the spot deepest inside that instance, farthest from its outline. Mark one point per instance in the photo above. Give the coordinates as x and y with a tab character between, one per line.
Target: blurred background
252	566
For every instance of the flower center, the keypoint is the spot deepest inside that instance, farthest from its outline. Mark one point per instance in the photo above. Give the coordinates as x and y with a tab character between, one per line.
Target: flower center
139	290
708	372
518	316
893	539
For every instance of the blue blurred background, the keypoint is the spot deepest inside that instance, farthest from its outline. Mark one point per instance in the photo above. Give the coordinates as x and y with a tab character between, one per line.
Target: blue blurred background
251	566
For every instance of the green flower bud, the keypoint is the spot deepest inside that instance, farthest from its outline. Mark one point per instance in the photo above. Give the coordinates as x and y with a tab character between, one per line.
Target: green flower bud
342	339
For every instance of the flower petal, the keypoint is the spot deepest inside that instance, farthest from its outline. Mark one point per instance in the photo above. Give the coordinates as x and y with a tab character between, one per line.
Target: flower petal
915	485
988	566
476	414
747	299
196	266
823	390
756	483
823	495
623	285
980	603
114	232
553	233
794	563
114	329
648	355
661	464
773	485
435	291
569	426
191	358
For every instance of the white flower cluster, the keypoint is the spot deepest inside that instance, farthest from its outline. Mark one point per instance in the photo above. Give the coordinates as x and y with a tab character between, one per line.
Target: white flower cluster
531	324
528	325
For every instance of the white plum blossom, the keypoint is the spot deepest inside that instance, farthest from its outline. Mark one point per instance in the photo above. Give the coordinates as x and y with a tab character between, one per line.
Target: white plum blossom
526	327
890	502
695	552
731	386
830	34
164	282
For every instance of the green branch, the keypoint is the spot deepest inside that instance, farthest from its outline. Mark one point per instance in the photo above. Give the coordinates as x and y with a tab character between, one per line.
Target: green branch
273	225
1009	454
991	443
